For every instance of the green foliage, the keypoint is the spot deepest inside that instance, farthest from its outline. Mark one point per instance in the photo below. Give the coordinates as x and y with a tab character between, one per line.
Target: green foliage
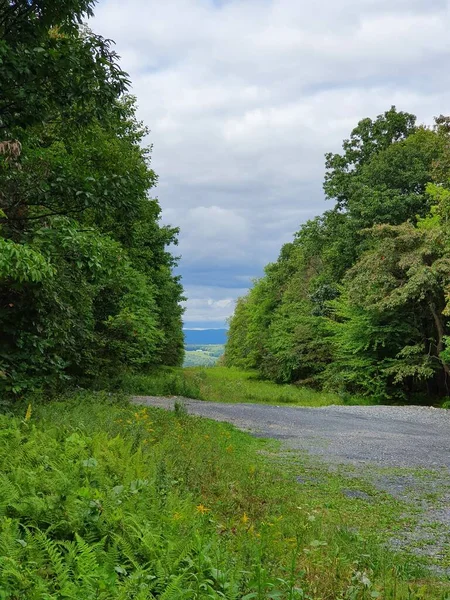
230	384
100	499
165	381
86	283
359	301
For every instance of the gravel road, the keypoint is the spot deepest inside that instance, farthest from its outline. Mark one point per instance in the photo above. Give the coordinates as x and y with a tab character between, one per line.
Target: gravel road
403	451
384	436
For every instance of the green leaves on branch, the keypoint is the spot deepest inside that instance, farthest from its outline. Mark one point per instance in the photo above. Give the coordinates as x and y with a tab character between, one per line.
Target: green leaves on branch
22	264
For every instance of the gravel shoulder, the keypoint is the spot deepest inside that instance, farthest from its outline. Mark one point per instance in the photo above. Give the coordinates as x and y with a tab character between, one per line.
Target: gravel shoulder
401	450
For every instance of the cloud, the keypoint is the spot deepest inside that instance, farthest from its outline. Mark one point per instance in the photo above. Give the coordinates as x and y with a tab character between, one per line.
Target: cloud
210	306
244	97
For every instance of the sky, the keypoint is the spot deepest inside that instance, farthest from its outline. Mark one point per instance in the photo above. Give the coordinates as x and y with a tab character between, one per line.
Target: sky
243	99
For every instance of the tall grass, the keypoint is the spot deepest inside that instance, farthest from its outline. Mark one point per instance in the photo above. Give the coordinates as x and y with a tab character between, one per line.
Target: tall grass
160	382
102	500
222	384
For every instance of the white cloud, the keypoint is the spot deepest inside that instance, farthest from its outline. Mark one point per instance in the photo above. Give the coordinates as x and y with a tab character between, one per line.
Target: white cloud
210	305
244	97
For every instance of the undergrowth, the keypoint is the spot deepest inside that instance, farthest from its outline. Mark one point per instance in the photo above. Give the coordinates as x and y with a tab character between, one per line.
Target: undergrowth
222	384
100	499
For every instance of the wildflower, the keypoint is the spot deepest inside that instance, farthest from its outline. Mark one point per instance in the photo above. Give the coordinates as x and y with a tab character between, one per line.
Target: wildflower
177	516
229	448
28	413
245	518
202	509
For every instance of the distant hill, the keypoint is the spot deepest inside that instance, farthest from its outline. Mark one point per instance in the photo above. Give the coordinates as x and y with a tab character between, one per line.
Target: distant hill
205	336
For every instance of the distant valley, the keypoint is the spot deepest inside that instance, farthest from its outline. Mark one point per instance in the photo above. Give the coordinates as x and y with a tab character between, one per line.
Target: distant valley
203	347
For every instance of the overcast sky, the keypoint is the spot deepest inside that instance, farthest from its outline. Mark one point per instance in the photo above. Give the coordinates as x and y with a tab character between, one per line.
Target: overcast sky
244	97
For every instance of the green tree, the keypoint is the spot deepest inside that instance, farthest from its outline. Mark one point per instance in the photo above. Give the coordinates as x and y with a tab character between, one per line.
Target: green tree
86	283
359	300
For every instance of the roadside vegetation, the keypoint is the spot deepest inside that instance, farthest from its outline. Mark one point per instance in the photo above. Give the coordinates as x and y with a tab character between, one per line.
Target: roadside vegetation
222	384
102	499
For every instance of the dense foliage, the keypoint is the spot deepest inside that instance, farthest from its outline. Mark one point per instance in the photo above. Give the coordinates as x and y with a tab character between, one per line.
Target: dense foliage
86	283
358	302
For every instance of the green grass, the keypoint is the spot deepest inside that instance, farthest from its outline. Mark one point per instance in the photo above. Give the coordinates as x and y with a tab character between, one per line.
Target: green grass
222	384
103	500
165	381
205	355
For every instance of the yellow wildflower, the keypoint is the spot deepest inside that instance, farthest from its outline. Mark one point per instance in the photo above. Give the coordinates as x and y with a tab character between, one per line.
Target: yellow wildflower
28	413
202	509
245	518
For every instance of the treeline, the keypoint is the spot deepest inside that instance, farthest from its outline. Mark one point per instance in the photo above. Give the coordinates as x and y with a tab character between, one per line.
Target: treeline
359	301
86	282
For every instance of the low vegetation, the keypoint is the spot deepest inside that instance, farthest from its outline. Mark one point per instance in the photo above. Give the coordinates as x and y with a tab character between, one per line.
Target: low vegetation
221	384
101	499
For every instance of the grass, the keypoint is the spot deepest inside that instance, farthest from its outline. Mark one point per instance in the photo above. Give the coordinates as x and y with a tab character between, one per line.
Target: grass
100	499
222	384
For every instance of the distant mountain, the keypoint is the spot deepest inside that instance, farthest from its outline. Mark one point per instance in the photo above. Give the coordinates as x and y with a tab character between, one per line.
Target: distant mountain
205	336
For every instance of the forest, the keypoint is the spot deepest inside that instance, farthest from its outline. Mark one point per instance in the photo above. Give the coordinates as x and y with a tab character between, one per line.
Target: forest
86	281
359	301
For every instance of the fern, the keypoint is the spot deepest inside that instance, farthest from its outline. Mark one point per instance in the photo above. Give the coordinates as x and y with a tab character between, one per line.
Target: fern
86	560
57	561
176	590
8	493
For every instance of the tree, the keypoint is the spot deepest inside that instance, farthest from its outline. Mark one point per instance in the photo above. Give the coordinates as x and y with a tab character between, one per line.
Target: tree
86	282
359	301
